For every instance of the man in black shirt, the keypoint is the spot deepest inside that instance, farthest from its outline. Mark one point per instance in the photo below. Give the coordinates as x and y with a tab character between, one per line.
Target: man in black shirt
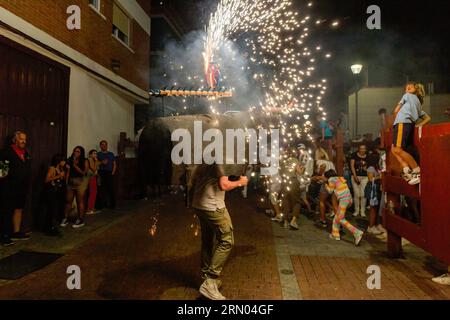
14	188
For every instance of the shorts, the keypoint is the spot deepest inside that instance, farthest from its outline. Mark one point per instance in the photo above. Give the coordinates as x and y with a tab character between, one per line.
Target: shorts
403	135
13	202
78	183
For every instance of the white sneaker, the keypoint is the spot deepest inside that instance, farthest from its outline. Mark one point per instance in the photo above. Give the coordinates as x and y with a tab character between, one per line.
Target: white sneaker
294	225
209	290
381	228
64	223
444	279
415	179
363	214
78	224
335	238
356	213
358	238
277	219
374	231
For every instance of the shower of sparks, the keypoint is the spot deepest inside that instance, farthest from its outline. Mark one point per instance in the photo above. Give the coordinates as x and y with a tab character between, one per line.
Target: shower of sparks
277	41
275	38
154	225
195	226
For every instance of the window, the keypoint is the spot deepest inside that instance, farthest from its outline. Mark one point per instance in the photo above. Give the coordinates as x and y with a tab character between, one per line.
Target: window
121	25
95	4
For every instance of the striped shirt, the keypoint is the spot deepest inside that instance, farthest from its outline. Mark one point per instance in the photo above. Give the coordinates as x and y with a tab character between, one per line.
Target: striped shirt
339	186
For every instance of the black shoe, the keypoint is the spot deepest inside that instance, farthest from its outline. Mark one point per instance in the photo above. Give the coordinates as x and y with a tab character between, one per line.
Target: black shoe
78	224
20	236
6	242
322	224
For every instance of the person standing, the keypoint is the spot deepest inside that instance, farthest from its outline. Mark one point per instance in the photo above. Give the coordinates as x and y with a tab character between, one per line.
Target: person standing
15	188
409	114
107	172
326	137
92	176
54	194
209	184
319	152
77	184
290	189
307	171
358	165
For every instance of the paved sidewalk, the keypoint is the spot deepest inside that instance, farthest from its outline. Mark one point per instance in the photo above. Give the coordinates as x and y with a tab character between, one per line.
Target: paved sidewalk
126	262
329	269
121	259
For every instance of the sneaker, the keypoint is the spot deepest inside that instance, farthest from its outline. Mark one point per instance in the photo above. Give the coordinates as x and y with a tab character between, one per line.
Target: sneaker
277	219
78	224
64	223
381	228
323	224
294	225
406	176
363	214
356	213
374	231
20	236
92	212
444	279
335	238
330	215
6	242
286	224
210	290
415	179
358	238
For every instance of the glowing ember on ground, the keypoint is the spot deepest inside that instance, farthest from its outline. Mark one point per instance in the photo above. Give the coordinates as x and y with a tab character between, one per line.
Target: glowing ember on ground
154	225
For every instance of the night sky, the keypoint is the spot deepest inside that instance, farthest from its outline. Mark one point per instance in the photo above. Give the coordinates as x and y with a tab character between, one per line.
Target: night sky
412	44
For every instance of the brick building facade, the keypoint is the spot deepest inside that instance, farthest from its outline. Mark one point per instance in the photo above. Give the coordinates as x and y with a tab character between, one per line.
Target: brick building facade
72	87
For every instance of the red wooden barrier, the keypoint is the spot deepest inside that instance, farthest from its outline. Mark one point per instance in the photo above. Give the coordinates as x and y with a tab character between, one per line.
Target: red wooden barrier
431	198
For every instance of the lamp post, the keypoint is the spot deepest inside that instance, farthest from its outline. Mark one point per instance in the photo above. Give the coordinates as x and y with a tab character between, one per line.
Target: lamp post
356	69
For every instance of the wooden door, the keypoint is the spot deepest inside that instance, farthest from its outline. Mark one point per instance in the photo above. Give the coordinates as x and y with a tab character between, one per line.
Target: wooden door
34	93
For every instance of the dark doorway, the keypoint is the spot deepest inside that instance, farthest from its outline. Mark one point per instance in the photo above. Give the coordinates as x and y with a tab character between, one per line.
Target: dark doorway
34	93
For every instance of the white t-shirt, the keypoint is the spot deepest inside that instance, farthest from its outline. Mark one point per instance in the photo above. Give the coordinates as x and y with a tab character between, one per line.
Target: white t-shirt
207	193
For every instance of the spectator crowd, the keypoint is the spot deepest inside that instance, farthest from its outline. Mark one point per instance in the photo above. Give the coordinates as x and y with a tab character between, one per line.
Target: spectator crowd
82	181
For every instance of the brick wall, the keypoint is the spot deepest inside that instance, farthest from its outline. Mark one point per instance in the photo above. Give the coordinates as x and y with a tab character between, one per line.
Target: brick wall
95	38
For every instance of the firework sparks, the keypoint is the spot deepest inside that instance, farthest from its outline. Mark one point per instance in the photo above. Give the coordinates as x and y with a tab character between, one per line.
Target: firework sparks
154	225
275	38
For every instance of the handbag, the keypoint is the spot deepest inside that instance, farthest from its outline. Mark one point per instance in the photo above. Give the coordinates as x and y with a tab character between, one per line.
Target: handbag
371	193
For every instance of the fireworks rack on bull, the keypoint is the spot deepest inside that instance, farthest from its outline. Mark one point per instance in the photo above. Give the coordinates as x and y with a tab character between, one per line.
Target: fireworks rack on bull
184	92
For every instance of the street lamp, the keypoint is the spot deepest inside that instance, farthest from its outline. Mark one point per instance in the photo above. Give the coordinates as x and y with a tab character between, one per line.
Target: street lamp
356	69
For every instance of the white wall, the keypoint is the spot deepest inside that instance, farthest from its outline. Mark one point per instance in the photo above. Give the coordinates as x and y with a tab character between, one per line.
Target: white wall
96	112
439	104
370	101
